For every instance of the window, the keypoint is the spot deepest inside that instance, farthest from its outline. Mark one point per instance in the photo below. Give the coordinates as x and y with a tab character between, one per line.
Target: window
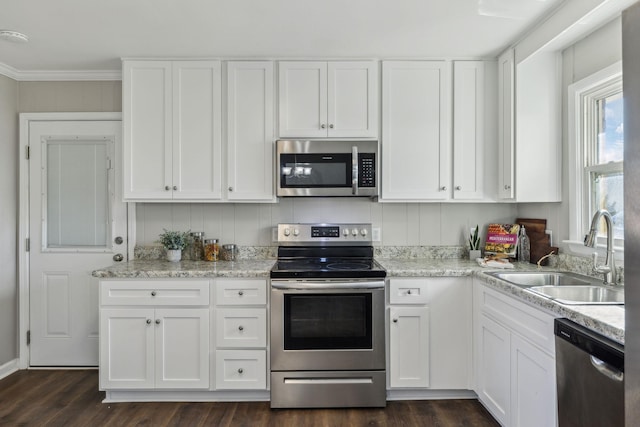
596	106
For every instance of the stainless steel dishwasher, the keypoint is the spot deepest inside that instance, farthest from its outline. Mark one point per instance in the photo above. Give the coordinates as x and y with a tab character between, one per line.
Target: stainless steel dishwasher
590	377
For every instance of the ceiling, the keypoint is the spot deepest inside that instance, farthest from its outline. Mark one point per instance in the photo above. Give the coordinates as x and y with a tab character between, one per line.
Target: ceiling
92	35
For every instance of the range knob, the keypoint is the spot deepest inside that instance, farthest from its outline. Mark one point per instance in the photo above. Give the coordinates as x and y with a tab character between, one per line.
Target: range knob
345	232
296	232
364	232
354	232
287	232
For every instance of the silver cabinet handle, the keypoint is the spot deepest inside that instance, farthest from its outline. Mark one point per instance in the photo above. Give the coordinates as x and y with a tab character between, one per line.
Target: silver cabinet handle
148	321
153	293
157	321
395	320
443	188
240	370
323	126
118	257
230	188
166	187
409	292
241	328
175	188
118	240
331	126
507	187
240	293
458	188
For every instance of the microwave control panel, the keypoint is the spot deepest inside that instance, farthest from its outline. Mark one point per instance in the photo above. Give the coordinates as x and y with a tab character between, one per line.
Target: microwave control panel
367	170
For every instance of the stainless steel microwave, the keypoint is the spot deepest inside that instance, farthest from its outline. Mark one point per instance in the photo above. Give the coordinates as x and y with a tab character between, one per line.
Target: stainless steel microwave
327	168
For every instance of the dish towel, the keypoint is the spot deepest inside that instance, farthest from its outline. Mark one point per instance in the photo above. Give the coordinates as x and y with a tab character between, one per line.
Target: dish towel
494	263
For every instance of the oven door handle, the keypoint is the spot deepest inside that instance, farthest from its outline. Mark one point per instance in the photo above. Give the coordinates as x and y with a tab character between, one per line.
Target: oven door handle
354	170
327	285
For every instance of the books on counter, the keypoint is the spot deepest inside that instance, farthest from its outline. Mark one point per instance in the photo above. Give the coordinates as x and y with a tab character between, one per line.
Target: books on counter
502	239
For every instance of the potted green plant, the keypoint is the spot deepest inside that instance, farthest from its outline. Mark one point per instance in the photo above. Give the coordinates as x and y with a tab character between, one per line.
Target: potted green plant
474	244
174	242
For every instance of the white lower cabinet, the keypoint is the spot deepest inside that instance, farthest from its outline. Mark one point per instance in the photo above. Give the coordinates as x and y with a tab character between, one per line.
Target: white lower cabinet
240	361
515	360
146	348
430	326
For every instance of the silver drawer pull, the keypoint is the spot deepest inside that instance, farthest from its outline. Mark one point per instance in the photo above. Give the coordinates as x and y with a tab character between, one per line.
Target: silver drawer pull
241	328
240	293
153	293
148	321
240	370
157	321
395	320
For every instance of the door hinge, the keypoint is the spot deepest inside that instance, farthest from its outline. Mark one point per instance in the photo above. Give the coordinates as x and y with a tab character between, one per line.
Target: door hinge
27	244
28	152
28	337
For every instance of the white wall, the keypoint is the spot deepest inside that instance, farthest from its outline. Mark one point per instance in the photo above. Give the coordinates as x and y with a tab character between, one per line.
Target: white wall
402	224
598	50
8	219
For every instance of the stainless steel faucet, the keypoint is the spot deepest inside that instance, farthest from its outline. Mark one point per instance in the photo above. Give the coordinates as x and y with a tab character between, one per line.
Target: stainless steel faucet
609	266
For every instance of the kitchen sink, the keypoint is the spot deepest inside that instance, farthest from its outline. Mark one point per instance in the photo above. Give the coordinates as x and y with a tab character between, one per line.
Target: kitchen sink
591	294
564	287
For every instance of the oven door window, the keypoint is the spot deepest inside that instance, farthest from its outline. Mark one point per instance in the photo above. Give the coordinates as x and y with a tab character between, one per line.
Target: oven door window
315	170
327	321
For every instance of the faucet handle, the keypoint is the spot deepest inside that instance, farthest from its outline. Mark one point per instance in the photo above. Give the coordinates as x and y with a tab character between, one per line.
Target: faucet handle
595	259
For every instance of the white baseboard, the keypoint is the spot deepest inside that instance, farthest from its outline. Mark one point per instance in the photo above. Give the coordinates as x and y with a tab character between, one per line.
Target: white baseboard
8	368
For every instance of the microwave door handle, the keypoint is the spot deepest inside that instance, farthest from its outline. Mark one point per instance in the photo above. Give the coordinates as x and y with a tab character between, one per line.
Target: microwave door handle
354	170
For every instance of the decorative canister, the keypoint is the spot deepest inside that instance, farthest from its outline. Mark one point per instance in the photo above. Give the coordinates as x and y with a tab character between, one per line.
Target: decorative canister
229	252
211	250
197	245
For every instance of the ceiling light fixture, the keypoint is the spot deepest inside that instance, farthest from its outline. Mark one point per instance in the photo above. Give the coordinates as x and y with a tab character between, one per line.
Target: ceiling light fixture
13	36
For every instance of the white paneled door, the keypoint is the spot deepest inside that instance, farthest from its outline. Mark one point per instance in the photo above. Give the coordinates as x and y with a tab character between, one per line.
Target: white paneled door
77	223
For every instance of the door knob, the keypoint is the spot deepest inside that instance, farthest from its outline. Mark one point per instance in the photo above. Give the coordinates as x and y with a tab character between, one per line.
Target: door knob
118	257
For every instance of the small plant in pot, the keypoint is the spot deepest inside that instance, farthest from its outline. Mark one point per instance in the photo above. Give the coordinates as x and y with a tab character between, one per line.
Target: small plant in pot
174	242
474	244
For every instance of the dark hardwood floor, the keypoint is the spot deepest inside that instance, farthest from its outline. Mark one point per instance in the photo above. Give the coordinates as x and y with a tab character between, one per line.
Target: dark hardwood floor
71	398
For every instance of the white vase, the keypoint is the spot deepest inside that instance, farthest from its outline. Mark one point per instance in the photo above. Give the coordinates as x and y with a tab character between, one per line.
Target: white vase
474	253
174	255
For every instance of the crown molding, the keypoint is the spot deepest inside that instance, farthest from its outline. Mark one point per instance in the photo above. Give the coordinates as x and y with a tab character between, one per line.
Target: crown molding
58	75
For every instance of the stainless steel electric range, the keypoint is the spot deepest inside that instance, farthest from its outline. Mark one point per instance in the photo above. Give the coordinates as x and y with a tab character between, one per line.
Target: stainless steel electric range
327	318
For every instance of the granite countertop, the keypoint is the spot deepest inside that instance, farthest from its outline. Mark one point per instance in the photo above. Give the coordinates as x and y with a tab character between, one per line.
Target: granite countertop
607	320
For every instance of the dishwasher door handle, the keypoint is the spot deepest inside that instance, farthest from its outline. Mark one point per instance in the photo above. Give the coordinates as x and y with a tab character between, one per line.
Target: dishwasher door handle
607	370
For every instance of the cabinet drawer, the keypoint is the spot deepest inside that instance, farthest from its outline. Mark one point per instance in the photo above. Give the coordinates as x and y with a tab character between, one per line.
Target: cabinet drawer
241	292
241	369
527	321
408	291
241	327
153	292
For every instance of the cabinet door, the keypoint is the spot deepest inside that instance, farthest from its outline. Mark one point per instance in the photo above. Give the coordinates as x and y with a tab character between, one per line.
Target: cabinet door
126	348
352	99
409	347
493	368
182	348
533	385
302	98
506	130
197	156
147	125
468	130
250	130
416	122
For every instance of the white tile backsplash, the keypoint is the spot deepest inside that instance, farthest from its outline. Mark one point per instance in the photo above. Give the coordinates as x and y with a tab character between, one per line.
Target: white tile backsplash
250	224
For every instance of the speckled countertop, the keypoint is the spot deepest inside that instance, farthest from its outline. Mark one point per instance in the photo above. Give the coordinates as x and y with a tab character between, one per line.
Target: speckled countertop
607	320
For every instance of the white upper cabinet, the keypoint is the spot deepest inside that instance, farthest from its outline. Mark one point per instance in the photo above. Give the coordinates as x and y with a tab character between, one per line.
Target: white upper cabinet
416	130
172	130
250	136
474	130
529	115
328	99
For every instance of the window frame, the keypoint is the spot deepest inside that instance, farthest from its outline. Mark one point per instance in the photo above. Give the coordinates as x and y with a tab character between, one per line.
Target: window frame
583	93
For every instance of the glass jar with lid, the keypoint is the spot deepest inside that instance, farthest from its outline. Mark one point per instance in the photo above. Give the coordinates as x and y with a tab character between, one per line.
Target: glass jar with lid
211	250
197	245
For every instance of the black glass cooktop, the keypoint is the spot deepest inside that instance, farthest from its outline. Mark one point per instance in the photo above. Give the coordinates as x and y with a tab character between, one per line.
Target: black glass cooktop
299	263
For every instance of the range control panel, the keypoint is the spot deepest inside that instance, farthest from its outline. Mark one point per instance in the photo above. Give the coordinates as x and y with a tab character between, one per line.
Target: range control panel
313	234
